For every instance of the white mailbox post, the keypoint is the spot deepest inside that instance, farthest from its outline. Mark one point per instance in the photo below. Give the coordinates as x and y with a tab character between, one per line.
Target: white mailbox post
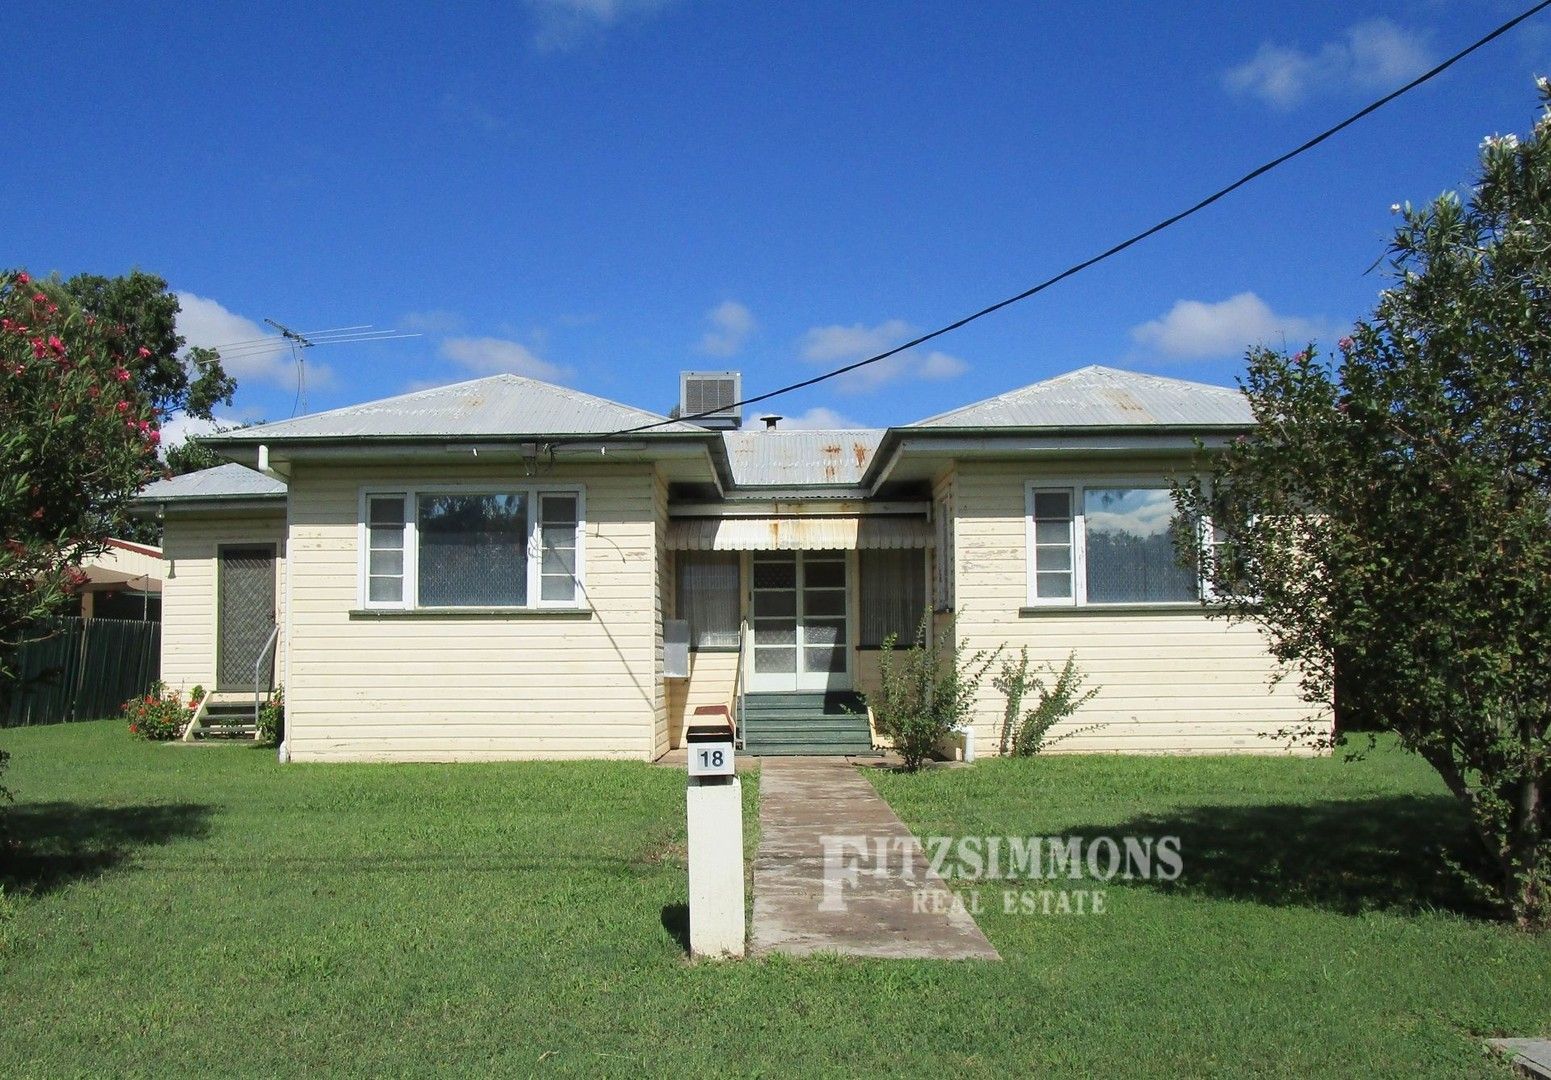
715	807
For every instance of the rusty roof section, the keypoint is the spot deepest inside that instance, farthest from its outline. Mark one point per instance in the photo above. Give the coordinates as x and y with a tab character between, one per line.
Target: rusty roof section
783	459
1097	397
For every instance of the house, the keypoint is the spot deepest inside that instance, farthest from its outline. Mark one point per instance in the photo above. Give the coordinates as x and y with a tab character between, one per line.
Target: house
123	581
501	569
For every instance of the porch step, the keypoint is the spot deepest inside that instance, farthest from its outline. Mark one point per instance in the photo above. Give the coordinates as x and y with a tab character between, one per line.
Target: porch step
228	718
807	724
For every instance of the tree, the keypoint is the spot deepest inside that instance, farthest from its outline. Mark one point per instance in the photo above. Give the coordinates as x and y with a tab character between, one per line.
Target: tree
1387	521
140	303
78	438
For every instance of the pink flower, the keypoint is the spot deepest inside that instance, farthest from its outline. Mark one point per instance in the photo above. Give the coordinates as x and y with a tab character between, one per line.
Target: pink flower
122	407
143	352
55	344
120	373
1344	344
23	278
40	298
39	349
153	436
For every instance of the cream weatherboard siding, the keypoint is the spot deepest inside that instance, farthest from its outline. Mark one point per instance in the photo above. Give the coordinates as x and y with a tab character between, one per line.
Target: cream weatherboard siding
712	678
445	687
1168	681
190	543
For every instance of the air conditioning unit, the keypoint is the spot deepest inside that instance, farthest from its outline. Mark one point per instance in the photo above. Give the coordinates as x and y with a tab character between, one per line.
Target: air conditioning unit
713	393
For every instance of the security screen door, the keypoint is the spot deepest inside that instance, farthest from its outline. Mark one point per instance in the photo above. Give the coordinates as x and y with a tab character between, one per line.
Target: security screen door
246	617
800	636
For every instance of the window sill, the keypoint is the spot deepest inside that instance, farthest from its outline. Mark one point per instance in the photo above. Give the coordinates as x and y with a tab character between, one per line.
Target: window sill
472	612
1057	610
714	648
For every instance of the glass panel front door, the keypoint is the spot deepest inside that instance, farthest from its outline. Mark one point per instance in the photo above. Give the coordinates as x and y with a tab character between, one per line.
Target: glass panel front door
800	636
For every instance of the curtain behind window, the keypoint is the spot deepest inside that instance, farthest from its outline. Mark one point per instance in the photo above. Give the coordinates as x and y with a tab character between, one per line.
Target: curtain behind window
893	595
708	597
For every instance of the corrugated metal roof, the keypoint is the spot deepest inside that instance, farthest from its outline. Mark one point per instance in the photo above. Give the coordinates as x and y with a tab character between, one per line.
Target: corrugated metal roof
798	533
230	481
800	458
499	405
1103	397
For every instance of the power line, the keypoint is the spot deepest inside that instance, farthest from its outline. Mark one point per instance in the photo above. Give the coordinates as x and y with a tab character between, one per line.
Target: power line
1078	268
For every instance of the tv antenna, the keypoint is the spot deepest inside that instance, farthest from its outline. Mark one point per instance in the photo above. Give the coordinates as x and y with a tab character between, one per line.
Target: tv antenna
299	341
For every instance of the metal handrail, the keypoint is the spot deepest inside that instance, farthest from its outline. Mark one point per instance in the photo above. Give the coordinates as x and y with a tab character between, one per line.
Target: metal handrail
258	680
739	690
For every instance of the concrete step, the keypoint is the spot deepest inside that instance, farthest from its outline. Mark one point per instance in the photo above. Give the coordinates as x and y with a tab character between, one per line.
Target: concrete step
812	726
797	734
807	750
838	703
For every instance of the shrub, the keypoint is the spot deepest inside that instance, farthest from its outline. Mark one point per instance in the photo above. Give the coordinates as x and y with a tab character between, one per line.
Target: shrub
271	718
1025	733
926	691
159	715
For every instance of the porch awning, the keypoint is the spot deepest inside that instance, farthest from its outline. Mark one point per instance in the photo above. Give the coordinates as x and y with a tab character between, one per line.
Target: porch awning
798	533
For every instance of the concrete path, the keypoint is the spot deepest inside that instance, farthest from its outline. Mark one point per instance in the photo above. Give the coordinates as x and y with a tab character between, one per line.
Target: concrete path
1531	1057
820	885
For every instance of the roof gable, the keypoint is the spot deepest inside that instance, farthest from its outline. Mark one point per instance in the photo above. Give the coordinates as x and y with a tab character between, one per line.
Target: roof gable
498	405
799	458
229	481
1094	397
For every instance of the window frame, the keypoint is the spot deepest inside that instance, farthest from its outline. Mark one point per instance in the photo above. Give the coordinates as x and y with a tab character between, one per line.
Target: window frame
1077	489
410	493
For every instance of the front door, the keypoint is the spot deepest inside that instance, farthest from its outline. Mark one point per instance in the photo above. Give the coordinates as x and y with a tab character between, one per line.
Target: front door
245	618
800	636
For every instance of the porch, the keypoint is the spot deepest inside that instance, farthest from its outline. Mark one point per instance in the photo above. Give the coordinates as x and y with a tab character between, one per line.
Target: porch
783	618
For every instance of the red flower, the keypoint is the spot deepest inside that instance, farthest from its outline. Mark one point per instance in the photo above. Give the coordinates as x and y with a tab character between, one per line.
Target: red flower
143	351
120	373
40	298
39	349
122	407
55	344
154	436
23	278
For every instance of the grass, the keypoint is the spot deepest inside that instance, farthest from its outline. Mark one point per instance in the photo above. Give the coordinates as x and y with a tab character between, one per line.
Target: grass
187	910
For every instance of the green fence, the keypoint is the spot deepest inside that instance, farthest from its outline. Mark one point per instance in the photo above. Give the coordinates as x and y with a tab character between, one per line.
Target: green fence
82	669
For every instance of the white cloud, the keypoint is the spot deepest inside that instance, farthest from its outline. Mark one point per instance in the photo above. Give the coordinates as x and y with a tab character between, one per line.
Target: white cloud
1195	329
435	321
731	324
179	427
262	356
835	346
1373	55
560	24
818	418
491	356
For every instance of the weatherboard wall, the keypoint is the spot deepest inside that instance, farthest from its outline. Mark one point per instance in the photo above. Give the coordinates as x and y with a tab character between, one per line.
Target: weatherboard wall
444	687
191	542
1169	680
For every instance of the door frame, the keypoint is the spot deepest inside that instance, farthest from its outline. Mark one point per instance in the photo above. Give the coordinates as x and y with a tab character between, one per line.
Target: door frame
818	682
274	566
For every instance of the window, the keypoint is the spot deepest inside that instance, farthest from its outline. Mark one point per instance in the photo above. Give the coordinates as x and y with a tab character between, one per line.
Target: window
385	549
1105	545
893	595
470	548
708	597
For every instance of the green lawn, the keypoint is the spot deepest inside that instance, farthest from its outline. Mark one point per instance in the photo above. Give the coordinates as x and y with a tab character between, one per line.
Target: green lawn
204	910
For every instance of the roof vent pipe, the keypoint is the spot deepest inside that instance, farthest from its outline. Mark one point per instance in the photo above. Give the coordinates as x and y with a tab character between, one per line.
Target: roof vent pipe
771	421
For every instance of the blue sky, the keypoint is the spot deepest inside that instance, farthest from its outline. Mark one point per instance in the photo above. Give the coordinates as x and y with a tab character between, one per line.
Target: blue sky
604	192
